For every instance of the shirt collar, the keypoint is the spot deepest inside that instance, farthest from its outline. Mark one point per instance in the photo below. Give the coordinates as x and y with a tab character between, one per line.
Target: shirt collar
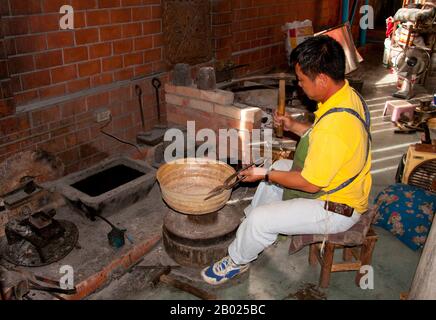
333	101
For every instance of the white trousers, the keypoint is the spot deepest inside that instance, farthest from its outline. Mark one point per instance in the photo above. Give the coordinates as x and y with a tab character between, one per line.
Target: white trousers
268	216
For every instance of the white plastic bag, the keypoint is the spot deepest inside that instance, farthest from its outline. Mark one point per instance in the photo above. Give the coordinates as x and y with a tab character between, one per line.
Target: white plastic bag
296	33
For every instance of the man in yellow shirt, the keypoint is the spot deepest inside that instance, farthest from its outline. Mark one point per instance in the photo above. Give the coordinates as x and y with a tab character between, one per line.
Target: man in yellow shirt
326	188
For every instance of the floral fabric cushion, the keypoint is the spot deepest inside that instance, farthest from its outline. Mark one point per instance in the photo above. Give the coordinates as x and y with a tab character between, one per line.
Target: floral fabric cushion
407	212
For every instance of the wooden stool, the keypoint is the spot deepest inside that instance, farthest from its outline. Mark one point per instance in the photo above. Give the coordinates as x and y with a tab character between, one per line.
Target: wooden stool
362	254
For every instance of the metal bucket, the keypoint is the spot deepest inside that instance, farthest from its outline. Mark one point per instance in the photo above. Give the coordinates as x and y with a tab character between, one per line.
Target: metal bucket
343	35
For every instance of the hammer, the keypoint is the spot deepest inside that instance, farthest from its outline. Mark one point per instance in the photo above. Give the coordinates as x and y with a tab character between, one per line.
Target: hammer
162	275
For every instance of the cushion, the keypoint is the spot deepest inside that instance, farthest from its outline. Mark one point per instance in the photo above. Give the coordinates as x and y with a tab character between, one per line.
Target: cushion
407	212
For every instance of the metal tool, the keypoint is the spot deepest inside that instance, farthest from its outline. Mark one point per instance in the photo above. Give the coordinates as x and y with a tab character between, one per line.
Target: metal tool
116	235
157	84
162	275
138	91
228	184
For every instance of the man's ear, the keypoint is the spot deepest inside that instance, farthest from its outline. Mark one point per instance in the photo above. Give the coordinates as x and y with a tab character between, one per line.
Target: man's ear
323	79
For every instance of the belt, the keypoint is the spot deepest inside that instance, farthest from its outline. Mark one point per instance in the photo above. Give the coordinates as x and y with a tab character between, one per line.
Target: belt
339	208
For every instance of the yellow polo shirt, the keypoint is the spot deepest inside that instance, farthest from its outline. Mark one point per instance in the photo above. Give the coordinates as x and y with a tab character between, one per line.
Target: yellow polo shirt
337	151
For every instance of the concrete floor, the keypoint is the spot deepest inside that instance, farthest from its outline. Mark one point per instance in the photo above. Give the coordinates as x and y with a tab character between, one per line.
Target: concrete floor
276	275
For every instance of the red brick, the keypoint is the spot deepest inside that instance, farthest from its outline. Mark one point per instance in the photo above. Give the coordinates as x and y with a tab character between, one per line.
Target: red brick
52	91
75	54
126	3
84	4
152	55
97	18
46	115
86	36
121	15
143	70
97	100
112	63
44	23
151	27
124	74
35	79
89	68
101	79
16	25
31	43
87	150
20	7
100	50
78	85
156	12
122	46
160	66
158	40
108	3
52	5
140	14
132	59
70	156
60	39
25	97
19	64
72	108
110	33
132	30
144	43
63	73
48	59
79	19
55	145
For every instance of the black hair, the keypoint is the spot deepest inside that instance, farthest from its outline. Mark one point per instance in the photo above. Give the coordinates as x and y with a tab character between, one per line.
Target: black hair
320	54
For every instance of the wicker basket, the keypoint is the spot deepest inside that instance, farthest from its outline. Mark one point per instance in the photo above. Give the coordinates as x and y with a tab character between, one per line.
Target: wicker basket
186	182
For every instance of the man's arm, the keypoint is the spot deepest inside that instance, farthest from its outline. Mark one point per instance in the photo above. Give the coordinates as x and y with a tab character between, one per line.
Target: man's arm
290	124
287	179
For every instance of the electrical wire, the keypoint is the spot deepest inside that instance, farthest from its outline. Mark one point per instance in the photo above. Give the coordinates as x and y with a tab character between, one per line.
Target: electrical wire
118	139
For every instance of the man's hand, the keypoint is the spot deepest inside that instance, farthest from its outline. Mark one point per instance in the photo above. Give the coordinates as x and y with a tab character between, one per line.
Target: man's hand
253	174
289	124
286	120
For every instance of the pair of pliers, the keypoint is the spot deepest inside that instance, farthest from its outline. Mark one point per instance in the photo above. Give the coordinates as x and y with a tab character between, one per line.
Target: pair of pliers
228	184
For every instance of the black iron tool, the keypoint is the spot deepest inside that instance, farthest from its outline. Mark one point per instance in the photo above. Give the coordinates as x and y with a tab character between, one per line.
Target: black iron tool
138	91
157	84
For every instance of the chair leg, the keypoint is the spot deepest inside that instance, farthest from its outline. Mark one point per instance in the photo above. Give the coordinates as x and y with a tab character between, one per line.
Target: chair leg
347	254
326	266
313	254
365	256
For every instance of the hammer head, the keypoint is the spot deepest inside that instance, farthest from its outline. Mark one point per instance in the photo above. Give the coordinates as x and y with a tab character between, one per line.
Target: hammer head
155	276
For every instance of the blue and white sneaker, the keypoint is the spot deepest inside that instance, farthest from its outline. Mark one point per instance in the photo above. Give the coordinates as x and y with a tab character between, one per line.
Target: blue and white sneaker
222	271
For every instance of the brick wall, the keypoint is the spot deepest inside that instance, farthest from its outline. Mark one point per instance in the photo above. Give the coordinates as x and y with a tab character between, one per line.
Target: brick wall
249	31
113	40
52	81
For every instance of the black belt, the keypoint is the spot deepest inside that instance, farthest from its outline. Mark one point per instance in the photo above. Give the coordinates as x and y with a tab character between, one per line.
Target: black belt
339	208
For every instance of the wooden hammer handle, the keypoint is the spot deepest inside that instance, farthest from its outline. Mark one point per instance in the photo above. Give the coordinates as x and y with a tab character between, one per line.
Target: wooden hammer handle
281	106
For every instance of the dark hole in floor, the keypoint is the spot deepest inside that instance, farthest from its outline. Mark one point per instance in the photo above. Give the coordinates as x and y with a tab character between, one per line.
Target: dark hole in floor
107	180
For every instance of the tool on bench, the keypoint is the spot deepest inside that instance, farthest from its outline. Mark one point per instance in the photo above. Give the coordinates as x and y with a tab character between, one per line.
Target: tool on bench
162	274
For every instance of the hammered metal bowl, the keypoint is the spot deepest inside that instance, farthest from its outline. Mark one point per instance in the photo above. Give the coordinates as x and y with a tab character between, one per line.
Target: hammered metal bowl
185	183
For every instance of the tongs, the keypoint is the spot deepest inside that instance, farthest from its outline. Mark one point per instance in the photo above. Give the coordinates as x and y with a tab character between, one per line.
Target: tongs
227	184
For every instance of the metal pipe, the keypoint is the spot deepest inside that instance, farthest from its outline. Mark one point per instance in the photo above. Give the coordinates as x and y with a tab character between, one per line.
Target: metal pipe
363	32
345	10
